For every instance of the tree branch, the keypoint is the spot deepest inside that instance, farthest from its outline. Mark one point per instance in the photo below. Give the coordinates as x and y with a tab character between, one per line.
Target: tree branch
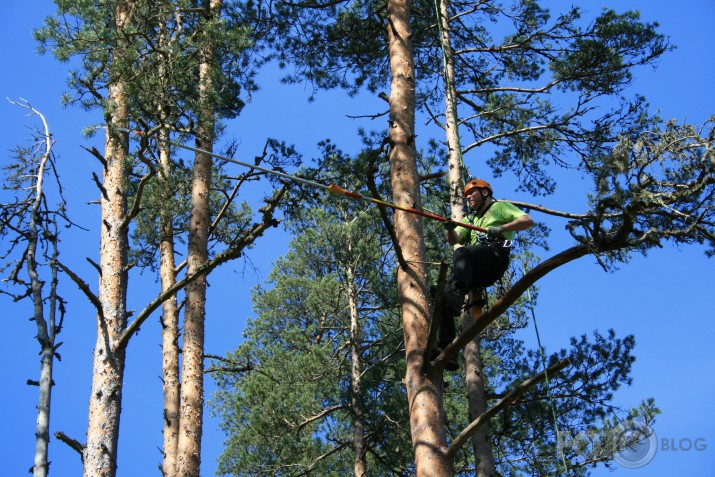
508	299
504	402
74	444
98	155
136	207
555	213
383	213
82	286
221	258
436	311
321	414
327	454
237	367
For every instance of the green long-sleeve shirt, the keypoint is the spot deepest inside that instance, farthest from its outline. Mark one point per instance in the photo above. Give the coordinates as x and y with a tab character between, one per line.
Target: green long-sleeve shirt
499	213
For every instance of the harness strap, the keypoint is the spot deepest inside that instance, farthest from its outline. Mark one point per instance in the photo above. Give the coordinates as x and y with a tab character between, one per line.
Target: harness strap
479	301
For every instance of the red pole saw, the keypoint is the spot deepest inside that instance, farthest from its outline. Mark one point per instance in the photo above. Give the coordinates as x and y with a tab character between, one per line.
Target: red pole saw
332	188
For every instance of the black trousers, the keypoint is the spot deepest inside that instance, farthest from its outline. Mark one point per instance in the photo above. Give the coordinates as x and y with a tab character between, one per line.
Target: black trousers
473	266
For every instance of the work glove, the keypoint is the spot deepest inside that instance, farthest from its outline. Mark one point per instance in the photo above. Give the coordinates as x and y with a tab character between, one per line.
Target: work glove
450	224
495	231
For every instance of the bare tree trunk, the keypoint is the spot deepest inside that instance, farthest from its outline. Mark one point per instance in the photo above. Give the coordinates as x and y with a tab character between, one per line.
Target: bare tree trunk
360	463
45	328
42	429
192	370
105	404
451	120
100	453
169	321
108	368
167	265
424	389
476	396
476	390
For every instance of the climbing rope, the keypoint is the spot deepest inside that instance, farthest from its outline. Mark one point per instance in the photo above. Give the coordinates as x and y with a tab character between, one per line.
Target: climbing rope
548	385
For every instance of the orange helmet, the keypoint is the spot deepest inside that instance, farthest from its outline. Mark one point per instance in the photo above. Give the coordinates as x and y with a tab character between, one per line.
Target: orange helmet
477	184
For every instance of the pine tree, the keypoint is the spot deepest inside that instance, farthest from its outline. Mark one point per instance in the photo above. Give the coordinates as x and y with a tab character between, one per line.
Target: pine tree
317	379
279	403
339	31
499	80
144	42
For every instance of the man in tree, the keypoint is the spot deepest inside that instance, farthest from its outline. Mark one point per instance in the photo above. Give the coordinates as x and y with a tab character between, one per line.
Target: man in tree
484	257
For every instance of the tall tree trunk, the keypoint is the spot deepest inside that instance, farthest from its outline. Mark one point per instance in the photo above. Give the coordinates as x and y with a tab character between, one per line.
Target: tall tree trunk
424	389
477	397
192	370
46	329
356	402
476	390
192	367
169	319
42	429
456	183
100	453
46	337
108	367
167	262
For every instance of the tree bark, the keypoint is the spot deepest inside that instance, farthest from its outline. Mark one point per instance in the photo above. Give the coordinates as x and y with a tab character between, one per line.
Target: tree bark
477	397
108	368
42	429
474	374
451	120
424	389
45	336
356	402
46	329
192	370
167	266
100	452
169	320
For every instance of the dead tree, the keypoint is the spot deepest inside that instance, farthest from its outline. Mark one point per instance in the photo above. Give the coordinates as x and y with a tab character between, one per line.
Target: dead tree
31	226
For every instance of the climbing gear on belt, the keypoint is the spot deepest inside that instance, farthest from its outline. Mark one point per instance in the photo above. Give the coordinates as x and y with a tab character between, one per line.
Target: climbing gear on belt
495	241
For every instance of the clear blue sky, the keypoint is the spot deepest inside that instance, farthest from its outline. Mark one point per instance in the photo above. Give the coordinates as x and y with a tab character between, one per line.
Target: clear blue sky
663	300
